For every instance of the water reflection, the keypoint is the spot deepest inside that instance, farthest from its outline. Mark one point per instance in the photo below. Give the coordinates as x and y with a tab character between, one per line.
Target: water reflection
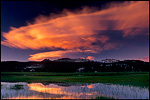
70	91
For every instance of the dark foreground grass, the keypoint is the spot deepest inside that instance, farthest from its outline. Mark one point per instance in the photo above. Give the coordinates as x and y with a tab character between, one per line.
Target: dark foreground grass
125	78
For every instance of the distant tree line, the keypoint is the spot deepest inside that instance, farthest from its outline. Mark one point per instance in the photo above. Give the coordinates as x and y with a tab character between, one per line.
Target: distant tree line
90	66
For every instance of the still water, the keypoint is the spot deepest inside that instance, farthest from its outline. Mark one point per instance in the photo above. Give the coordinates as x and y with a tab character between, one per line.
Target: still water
22	90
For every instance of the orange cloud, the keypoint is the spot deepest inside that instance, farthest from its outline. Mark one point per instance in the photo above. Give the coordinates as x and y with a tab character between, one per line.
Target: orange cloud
90	58
49	55
91	86
54	89
29	97
78	31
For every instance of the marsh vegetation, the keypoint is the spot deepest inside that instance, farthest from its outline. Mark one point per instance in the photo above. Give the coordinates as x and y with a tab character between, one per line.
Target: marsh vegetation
71	91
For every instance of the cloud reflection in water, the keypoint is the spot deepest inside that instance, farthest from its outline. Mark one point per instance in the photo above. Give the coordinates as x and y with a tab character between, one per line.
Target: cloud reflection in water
72	91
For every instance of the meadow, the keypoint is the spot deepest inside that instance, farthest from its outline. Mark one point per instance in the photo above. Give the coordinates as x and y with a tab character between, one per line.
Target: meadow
140	79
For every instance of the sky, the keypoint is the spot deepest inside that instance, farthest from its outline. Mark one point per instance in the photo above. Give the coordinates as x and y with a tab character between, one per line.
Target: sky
95	30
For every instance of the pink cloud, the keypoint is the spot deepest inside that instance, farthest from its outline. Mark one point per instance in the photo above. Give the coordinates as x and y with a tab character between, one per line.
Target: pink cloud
145	59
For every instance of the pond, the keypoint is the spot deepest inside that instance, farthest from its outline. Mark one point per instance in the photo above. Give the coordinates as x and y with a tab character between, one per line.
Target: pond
22	90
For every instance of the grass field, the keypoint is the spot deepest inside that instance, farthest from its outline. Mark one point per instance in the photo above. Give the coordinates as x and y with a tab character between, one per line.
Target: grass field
124	78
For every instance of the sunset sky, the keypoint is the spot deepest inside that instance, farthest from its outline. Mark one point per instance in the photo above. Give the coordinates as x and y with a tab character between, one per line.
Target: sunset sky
96	30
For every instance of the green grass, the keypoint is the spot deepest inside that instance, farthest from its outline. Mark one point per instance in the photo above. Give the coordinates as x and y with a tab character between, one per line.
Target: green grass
124	78
71	74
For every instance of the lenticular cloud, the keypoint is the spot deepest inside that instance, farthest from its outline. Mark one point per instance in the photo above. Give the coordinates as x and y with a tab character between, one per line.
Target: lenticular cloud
82	31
